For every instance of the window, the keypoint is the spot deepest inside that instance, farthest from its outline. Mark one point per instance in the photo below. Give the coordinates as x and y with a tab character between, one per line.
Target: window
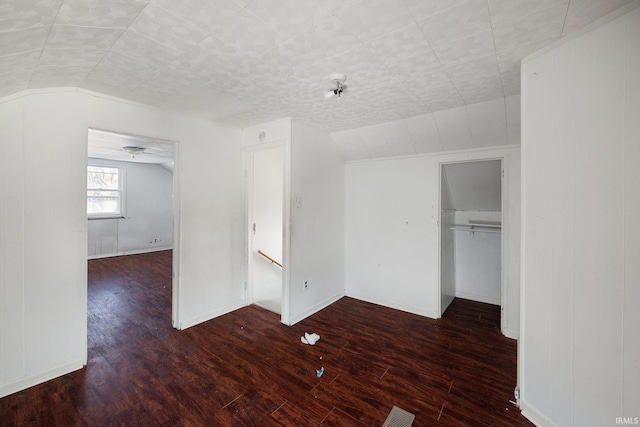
104	192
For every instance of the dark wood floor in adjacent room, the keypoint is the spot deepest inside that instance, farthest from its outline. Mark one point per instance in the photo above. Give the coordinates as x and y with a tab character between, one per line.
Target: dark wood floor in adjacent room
246	368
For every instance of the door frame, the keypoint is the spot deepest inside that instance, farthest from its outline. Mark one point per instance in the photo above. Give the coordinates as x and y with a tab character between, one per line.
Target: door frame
247	160
177	243
503	234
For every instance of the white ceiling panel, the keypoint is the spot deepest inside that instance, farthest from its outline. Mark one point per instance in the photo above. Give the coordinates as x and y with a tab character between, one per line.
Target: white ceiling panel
508	10
84	38
242	62
511	80
488	123
156	24
373	18
62	76
583	12
24	40
99	13
438	97
539	26
20	63
476	46
290	17
91	83
477	80
330	37
354	63
472	92
424	133
165	85
374	143
335	7
421	9
405	52
71	57
397	137
21	14
134	45
123	71
199	12
16	71
454	130
350	136
456	23
508	58
235	26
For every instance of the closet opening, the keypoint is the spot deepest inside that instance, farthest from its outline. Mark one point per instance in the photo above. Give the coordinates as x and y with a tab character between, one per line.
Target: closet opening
471	239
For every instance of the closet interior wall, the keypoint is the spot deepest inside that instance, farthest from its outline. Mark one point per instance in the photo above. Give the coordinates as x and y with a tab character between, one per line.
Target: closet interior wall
471	218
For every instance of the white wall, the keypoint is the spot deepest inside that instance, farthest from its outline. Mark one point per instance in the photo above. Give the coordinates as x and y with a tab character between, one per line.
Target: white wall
148	217
478	259
447	246
313	216
317	221
391	218
580	342
486	124
43	147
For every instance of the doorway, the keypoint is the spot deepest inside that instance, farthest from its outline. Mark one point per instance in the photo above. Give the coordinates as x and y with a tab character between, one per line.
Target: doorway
131	198
265	181
471	217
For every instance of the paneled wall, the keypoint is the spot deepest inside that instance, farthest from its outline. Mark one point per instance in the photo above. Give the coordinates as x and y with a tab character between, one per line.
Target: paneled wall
486	124
478	263
317	221
580	343
392	245
313	217
43	226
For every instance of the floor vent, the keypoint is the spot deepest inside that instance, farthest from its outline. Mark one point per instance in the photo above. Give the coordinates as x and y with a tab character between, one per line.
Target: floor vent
399	418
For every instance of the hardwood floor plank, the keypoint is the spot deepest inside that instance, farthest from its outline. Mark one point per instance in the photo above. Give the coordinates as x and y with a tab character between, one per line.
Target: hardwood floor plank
246	368
337	418
292	415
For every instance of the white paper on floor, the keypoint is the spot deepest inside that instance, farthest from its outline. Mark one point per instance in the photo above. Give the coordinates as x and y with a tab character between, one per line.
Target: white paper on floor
310	339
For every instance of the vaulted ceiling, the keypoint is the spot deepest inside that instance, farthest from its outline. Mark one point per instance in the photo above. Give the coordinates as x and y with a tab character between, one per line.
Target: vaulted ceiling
244	62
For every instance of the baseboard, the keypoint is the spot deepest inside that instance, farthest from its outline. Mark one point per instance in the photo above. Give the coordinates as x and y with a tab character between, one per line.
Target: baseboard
478	298
138	251
210	315
391	304
536	417
316	308
30	381
515	335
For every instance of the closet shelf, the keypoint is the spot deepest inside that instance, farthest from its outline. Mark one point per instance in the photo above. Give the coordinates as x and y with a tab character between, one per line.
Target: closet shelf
484	228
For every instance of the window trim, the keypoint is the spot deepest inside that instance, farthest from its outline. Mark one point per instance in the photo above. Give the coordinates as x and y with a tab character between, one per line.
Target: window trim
121	190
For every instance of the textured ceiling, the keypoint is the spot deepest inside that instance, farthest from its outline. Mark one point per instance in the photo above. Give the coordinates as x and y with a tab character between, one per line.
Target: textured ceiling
244	62
109	145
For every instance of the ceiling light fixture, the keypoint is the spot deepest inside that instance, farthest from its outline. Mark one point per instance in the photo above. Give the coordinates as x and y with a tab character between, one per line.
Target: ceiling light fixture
134	151
337	80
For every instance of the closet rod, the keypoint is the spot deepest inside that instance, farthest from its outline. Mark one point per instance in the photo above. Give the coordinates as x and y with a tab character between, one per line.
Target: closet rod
476	229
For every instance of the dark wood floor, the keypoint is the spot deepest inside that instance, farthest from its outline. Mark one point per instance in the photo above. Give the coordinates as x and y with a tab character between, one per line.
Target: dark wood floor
245	368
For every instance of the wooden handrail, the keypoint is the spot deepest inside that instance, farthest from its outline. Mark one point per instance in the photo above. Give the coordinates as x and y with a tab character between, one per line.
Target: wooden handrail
273	261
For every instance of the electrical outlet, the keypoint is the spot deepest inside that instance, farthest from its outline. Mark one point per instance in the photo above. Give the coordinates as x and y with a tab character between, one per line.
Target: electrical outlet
305	285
